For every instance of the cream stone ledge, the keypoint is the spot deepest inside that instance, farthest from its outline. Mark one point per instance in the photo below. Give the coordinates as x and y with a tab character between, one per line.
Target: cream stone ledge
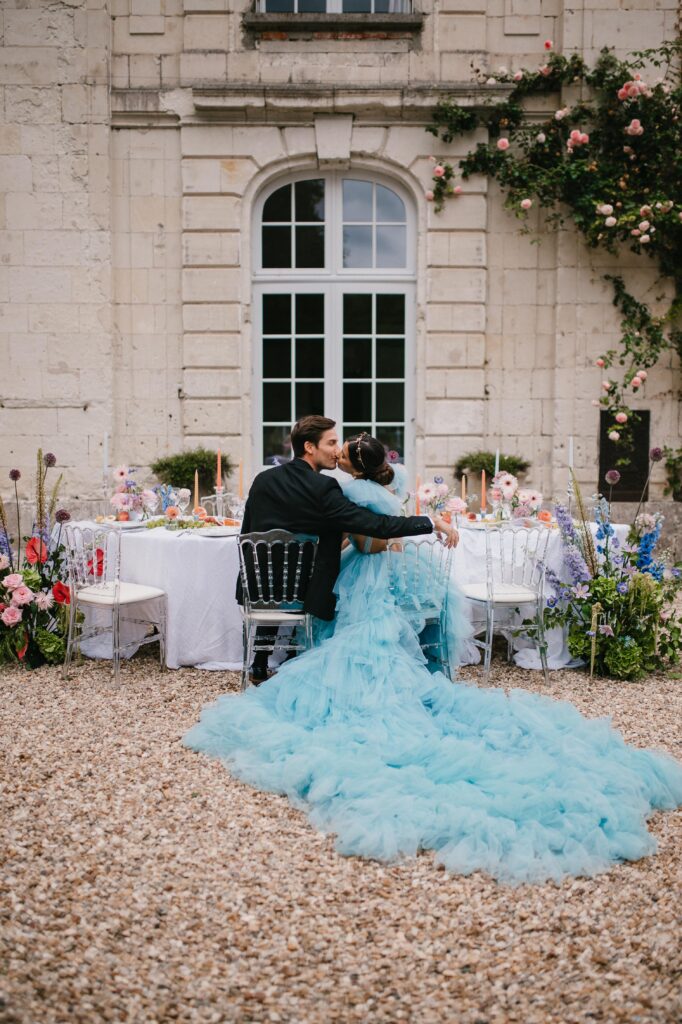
280	102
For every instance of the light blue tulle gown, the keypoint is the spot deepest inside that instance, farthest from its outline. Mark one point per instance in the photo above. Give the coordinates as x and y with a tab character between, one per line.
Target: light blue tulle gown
394	759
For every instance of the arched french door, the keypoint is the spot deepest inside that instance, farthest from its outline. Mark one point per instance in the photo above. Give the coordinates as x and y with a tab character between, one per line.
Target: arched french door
334	309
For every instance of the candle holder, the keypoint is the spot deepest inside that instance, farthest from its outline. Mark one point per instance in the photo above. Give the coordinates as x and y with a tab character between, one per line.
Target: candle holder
220	502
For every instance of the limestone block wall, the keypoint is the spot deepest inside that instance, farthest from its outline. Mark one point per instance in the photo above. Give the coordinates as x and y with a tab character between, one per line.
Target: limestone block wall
56	381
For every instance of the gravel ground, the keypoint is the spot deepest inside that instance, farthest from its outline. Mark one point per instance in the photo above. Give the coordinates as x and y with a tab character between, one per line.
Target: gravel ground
139	882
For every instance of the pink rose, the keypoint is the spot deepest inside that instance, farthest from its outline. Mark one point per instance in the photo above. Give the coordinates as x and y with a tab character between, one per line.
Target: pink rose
642	374
518	75
540	137
610	222
438	171
457	190
606	209
599	362
636	382
503	144
561	114
22	595
636	232
621	417
429	196
575	136
606	384
644	225
526	204
644	239
13	580
544	70
614	435
548	44
644	211
11	616
584	139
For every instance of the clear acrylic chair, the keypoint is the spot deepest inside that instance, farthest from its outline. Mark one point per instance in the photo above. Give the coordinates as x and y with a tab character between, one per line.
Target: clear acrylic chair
514	576
93	558
275	569
419	578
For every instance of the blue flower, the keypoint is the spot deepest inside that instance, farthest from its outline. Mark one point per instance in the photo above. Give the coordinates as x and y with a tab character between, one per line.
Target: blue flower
676	573
438	480
623	587
551	601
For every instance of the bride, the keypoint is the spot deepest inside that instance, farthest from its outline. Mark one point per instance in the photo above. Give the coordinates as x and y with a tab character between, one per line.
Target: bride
394	759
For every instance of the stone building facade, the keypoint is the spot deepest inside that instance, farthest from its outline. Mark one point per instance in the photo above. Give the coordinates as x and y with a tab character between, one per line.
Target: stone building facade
141	142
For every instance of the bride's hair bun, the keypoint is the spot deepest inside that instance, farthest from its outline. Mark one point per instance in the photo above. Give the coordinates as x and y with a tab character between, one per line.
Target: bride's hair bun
368	455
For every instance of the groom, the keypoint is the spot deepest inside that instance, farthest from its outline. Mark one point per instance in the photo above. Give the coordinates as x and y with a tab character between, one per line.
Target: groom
298	497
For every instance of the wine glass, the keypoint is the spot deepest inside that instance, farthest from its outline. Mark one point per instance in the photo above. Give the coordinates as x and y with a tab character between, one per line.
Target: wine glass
183	496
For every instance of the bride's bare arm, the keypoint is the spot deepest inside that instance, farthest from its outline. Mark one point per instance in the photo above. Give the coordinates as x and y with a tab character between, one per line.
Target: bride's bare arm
373	549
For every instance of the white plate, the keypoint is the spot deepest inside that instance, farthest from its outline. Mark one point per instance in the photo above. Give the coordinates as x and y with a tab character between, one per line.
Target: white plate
133	524
218	531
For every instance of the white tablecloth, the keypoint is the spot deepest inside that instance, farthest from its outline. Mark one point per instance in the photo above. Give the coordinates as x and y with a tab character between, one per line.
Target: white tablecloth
199	575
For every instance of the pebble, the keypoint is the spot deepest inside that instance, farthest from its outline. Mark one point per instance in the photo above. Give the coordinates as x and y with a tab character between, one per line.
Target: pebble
141	883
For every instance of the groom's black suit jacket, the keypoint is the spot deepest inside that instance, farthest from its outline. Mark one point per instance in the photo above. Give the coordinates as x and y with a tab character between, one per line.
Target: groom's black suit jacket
294	497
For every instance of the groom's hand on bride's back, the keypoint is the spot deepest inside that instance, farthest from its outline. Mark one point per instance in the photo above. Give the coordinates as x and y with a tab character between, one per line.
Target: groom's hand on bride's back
447	533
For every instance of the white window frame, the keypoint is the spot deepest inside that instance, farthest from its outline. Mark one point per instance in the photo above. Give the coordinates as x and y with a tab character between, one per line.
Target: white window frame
332	281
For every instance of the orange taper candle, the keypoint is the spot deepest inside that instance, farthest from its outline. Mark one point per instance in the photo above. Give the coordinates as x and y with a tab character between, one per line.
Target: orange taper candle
464	487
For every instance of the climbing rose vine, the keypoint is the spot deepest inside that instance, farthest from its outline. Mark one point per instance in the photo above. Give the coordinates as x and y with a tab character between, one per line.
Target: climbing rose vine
611	163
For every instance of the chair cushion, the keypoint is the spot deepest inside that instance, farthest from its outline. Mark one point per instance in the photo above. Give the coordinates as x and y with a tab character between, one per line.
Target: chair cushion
274	615
503	593
128	593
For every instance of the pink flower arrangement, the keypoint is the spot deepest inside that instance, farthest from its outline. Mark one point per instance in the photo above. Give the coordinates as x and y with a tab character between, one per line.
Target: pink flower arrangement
507	484
11	616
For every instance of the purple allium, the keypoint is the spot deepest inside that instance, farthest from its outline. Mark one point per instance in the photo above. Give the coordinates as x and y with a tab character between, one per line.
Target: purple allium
62	515
612	477
49	459
656	454
15	474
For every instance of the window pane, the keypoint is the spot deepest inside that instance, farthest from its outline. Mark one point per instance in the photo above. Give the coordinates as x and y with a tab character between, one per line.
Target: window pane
310	357
310	194
357	357
278	206
357	195
310	247
357	6
276	247
357	246
390	314
390	206
394	6
309	399
357	314
393	438
277	357
357	402
633	473
390	404
390	357
391	246
312	6
353	429
277	402
276	445
310	314
277	314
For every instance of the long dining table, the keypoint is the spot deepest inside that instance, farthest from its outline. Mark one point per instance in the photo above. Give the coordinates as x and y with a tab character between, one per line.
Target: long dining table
198	571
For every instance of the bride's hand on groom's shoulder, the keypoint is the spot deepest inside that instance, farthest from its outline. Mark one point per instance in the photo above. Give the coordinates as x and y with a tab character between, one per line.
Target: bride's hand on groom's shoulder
447	533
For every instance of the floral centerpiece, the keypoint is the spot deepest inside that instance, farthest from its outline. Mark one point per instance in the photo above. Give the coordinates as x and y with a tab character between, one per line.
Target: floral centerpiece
438	499
512	502
617	601
34	598
130	499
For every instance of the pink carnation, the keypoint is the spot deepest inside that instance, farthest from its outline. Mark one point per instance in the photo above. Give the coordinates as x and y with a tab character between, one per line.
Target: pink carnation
22	596
503	144
13	580
11	616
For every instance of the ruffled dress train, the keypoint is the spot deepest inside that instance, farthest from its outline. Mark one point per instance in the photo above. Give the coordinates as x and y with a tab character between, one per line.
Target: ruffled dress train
393	758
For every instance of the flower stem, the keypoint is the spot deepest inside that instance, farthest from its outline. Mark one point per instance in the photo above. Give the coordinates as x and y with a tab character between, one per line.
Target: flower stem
651	466
16	497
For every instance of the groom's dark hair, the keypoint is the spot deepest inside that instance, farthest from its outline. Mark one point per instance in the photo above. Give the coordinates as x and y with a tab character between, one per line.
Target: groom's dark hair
309	428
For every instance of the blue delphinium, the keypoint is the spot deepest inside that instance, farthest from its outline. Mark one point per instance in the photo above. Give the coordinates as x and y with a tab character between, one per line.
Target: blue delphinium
645	561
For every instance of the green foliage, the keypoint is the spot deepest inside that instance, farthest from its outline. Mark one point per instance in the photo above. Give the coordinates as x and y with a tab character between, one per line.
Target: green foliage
625	171
52	646
673	466
474	462
178	470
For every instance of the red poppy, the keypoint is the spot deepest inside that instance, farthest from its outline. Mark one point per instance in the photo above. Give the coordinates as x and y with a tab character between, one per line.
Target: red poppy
36	551
99	554
61	594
